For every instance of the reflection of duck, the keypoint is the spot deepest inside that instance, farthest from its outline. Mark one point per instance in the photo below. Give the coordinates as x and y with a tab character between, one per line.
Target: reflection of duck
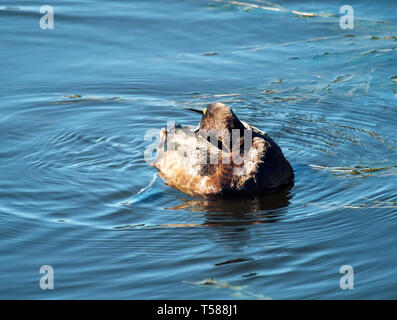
266	208
267	203
223	157
260	209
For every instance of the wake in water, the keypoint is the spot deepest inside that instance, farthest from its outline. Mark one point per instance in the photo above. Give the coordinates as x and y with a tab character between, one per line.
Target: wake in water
140	195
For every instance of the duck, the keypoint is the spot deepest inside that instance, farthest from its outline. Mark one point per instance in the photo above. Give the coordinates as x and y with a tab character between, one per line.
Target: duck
222	157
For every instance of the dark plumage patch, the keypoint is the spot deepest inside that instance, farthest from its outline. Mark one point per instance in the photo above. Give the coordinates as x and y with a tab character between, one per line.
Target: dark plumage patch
207	169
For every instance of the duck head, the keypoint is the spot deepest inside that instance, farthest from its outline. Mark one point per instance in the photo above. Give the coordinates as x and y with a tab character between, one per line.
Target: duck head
218	116
218	119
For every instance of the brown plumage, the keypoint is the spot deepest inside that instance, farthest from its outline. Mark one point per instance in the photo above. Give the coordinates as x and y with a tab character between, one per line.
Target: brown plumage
225	157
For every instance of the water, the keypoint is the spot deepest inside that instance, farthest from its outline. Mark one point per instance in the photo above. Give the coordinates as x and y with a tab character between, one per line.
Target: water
77	194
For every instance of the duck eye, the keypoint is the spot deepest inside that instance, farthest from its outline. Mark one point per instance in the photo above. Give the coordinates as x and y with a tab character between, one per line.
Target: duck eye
204	111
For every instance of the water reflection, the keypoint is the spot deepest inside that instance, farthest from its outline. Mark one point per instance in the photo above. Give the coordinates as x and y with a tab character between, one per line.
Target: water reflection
237	212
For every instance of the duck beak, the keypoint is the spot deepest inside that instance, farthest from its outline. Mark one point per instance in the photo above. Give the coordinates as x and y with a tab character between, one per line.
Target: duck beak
196	129
194	110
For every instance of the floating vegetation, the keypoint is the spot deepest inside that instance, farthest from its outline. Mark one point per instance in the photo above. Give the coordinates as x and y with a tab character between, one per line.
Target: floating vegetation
237	291
385	50
277	81
284	98
384	38
270	91
210	54
75	98
358	170
276	8
342	78
376	204
326	53
373	204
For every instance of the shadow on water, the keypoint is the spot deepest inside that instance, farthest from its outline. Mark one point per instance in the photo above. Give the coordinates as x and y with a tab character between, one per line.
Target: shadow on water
228	221
238	212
